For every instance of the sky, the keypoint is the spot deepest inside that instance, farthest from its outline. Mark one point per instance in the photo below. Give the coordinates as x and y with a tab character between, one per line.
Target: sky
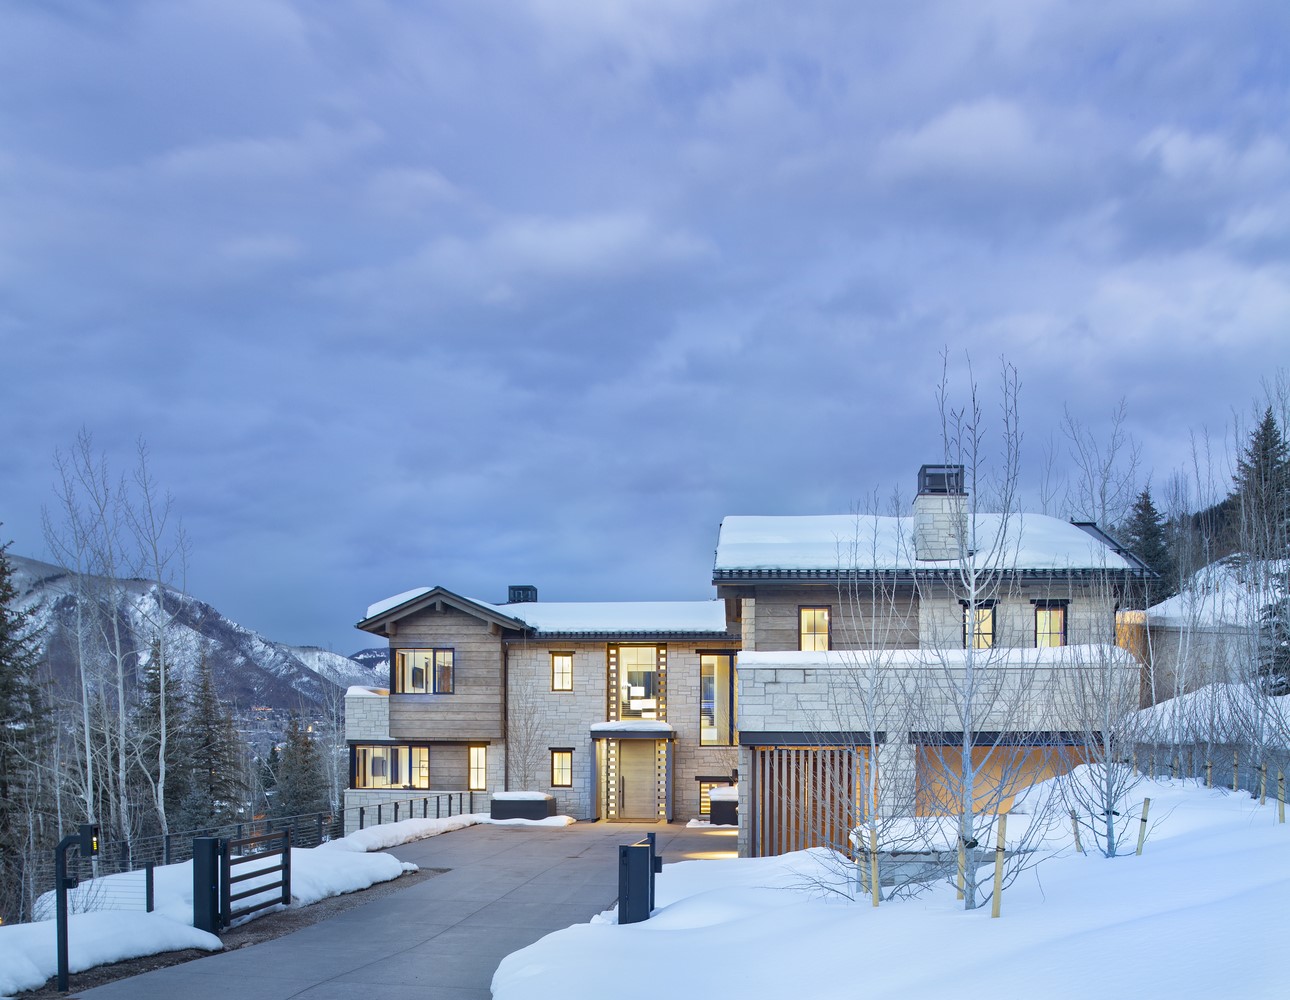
537	292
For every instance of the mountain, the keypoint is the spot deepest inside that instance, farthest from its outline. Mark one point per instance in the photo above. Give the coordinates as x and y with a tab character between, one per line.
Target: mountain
250	670
376	658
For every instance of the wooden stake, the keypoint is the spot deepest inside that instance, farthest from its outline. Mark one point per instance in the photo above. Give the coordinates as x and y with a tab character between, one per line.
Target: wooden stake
1142	830
1135	761
998	867
962	866
1209	774
1236	770
1075	830
1263	783
1281	797
1173	768
873	863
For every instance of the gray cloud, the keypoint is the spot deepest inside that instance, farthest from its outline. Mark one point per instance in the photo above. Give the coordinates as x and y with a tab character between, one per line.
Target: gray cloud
538	292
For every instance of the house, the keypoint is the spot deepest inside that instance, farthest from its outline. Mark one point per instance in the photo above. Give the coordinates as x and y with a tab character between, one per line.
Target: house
636	710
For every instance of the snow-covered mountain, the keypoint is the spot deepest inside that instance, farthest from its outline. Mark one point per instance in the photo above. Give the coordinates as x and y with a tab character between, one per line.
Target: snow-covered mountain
249	669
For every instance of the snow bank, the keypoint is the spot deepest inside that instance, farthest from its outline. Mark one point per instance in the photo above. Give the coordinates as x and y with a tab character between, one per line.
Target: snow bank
544	821
377	838
521	796
1216	870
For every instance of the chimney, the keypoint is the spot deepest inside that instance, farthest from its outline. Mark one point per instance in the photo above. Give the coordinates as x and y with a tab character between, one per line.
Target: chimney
521	594
939	528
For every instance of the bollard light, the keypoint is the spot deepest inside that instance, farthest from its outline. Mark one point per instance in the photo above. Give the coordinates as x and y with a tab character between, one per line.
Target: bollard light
89	844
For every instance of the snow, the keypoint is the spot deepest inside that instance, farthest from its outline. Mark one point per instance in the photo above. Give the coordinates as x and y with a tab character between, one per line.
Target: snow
380	607
831	541
1216	713
727	793
28	951
522	796
360	691
1227	593
646	617
544	821
1201	913
633	726
1055	656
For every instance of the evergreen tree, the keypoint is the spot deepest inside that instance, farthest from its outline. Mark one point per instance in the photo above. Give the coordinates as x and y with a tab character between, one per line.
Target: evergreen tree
215	786
1262	489
1274	647
1144	533
21	729
302	783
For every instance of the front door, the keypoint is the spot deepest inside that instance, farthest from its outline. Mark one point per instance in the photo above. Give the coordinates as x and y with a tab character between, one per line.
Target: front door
637	780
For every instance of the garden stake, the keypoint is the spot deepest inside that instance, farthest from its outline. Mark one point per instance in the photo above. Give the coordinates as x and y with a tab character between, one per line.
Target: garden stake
1209	774
1236	770
998	867
1281	797
962	866
1263	783
1142	830
1075	830
873	863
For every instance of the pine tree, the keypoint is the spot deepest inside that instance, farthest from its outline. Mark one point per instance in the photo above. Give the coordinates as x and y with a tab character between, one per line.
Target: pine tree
1144	533
21	729
1262	489
302	783
1274	647
215	785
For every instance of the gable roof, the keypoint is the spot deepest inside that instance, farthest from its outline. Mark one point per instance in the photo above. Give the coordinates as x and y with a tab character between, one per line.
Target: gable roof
599	619
824	545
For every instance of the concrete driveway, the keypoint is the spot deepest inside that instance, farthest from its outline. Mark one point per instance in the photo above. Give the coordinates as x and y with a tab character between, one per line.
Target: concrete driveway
442	937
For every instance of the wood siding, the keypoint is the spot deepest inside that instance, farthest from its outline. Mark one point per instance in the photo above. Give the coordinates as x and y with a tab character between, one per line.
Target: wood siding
474	710
866	617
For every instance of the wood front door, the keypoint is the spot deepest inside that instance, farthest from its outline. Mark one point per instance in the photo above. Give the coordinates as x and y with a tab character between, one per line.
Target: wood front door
638	780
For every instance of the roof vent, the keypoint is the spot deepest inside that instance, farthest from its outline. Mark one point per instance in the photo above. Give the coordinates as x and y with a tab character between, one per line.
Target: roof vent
945	480
521	594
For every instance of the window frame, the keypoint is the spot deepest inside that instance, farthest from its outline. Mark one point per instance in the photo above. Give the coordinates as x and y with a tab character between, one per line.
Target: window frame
969	629
433	669
728	737
554	686
557	752
410	761
1050	606
472	784
802	609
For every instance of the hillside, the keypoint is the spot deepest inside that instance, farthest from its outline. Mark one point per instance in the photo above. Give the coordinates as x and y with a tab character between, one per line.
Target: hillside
250	669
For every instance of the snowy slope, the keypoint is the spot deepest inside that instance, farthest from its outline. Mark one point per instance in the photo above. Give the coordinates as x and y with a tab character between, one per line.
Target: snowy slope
249	668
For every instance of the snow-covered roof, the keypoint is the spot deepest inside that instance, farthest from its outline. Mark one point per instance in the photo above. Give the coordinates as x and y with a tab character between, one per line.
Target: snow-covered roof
840	659
380	607
620	617
832	542
1227	593
582	618
361	691
633	726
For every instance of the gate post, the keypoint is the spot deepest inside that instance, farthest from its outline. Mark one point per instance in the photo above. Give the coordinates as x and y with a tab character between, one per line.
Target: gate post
206	901
634	863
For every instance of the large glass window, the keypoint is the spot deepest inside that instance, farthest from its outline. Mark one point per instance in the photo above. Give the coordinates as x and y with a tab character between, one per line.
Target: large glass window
391	767
423	671
1050	623
478	767
638	670
813	629
562	768
978	625
716	699
561	671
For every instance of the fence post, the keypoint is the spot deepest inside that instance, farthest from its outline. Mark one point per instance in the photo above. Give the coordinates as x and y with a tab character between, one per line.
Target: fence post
320	828
148	885
165	850
286	868
425	807
1075	830
206	889
1263	783
396	812
1209	774
1142	829
437	800
1236	770
361	811
378	813
1281	796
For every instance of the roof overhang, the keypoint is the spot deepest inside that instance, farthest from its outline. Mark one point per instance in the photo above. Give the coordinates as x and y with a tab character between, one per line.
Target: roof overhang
438	598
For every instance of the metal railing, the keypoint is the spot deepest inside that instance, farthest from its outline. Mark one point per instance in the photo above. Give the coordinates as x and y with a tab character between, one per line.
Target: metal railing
400	809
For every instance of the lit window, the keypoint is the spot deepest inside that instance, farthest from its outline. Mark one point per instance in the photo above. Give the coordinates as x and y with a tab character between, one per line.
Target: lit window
705	803
391	767
638	673
813	629
561	768
716	700
561	671
478	769
978	625
423	671
1050	623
